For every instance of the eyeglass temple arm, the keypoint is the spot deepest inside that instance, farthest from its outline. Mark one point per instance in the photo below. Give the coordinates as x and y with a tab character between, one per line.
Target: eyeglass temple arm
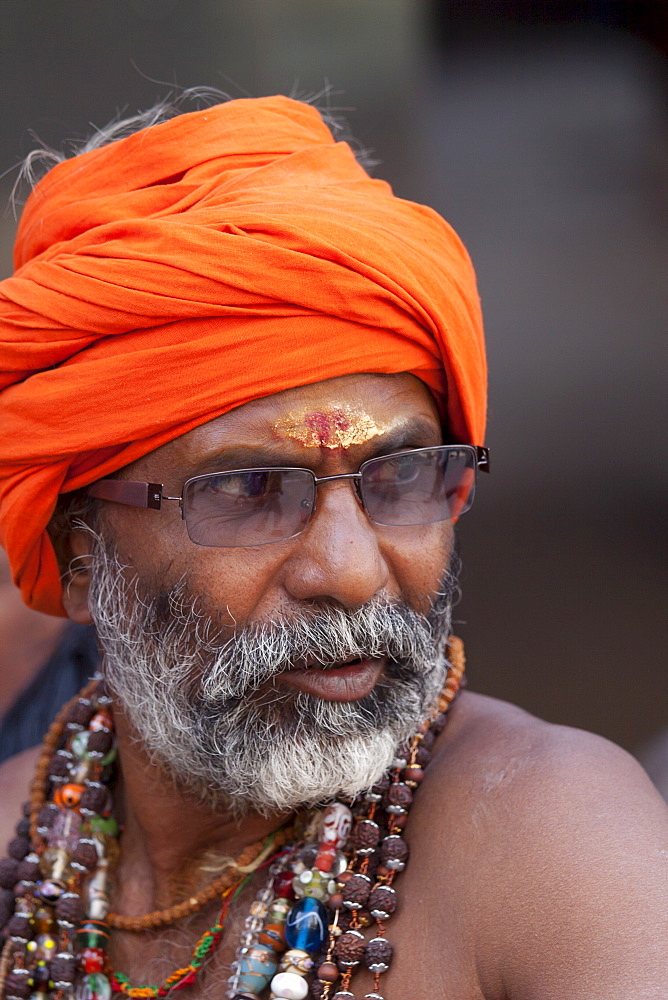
482	458
131	494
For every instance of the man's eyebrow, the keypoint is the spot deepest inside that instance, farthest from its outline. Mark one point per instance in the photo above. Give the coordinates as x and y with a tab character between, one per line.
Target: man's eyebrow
242	457
415	433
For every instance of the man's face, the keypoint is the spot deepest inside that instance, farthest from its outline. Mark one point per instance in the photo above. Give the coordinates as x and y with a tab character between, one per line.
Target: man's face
321	647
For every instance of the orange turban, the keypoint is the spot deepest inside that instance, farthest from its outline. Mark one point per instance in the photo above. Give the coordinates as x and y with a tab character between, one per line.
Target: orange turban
221	256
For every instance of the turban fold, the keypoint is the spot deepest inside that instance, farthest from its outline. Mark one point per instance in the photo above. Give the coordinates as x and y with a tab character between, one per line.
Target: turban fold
224	255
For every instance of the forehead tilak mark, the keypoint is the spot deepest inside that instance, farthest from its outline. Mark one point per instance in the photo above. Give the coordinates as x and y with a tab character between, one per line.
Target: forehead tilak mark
336	427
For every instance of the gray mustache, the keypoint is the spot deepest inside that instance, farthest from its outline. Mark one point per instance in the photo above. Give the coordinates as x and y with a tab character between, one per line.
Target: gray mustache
325	638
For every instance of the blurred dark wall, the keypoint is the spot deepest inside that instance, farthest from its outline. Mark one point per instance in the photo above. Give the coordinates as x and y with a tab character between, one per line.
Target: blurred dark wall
540	132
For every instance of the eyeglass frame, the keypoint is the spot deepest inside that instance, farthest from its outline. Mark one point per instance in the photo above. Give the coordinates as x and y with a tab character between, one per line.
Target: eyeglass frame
151	496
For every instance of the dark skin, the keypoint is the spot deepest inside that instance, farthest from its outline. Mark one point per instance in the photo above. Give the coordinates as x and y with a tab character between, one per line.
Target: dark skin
538	853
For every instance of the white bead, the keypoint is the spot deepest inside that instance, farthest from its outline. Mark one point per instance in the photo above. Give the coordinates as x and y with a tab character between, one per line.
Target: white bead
335	824
289	986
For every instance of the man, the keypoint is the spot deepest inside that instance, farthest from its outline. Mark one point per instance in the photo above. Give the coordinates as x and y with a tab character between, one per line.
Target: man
244	408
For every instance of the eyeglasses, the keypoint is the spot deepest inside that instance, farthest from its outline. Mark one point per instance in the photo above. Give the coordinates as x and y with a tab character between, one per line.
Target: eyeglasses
259	506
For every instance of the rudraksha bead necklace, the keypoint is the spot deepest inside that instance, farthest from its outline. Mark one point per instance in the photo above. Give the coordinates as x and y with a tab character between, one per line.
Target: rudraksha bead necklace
54	902
341	884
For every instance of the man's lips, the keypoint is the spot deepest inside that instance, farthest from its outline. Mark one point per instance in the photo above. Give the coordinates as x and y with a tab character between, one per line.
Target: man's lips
349	682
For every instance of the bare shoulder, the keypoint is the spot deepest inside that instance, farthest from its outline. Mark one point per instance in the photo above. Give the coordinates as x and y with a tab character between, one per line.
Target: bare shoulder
542	787
509	752
557	845
15	778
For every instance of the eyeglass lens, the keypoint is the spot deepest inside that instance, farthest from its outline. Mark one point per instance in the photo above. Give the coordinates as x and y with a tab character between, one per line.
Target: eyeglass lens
418	487
257	507
248	508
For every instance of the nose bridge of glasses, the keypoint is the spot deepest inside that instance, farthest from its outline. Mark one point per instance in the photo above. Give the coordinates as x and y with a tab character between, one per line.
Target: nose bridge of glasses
344	475
356	478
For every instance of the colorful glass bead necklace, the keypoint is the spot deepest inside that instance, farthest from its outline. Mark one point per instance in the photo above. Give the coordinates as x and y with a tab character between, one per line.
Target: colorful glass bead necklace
307	921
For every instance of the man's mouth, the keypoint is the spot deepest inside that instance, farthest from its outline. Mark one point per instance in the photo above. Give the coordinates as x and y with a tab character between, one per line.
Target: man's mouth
345	682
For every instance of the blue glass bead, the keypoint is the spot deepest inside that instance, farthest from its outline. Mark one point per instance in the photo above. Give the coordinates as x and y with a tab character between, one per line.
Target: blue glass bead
307	925
256	968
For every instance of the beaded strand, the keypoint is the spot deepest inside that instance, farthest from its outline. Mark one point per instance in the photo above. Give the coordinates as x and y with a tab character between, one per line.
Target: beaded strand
254	923
68	845
249	861
357	894
62	847
364	900
251	856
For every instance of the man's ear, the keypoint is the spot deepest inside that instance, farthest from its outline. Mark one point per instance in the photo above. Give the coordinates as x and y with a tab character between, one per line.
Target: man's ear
72	536
73	549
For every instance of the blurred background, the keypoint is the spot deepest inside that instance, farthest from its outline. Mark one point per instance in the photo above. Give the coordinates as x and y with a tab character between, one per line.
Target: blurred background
539	129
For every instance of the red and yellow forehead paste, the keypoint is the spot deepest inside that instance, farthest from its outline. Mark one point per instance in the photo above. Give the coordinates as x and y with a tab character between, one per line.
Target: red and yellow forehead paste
336	427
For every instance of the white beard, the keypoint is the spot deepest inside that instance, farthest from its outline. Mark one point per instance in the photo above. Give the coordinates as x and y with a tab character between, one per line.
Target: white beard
206	712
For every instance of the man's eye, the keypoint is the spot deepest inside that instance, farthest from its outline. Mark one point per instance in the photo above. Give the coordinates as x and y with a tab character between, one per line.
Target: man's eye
243	485
399	469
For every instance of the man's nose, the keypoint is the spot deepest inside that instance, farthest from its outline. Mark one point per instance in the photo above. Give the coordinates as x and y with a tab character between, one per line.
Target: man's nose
338	556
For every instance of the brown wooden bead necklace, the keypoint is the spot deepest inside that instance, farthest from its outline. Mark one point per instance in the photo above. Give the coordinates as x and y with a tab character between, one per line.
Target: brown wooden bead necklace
250	858
248	861
365	899
376	853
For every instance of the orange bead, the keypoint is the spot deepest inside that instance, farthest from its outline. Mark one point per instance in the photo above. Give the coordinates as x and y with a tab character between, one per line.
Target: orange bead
325	857
101	720
68	796
274	936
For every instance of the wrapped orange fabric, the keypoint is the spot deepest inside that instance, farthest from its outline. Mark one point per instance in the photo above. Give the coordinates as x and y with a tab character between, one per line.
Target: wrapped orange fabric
221	256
